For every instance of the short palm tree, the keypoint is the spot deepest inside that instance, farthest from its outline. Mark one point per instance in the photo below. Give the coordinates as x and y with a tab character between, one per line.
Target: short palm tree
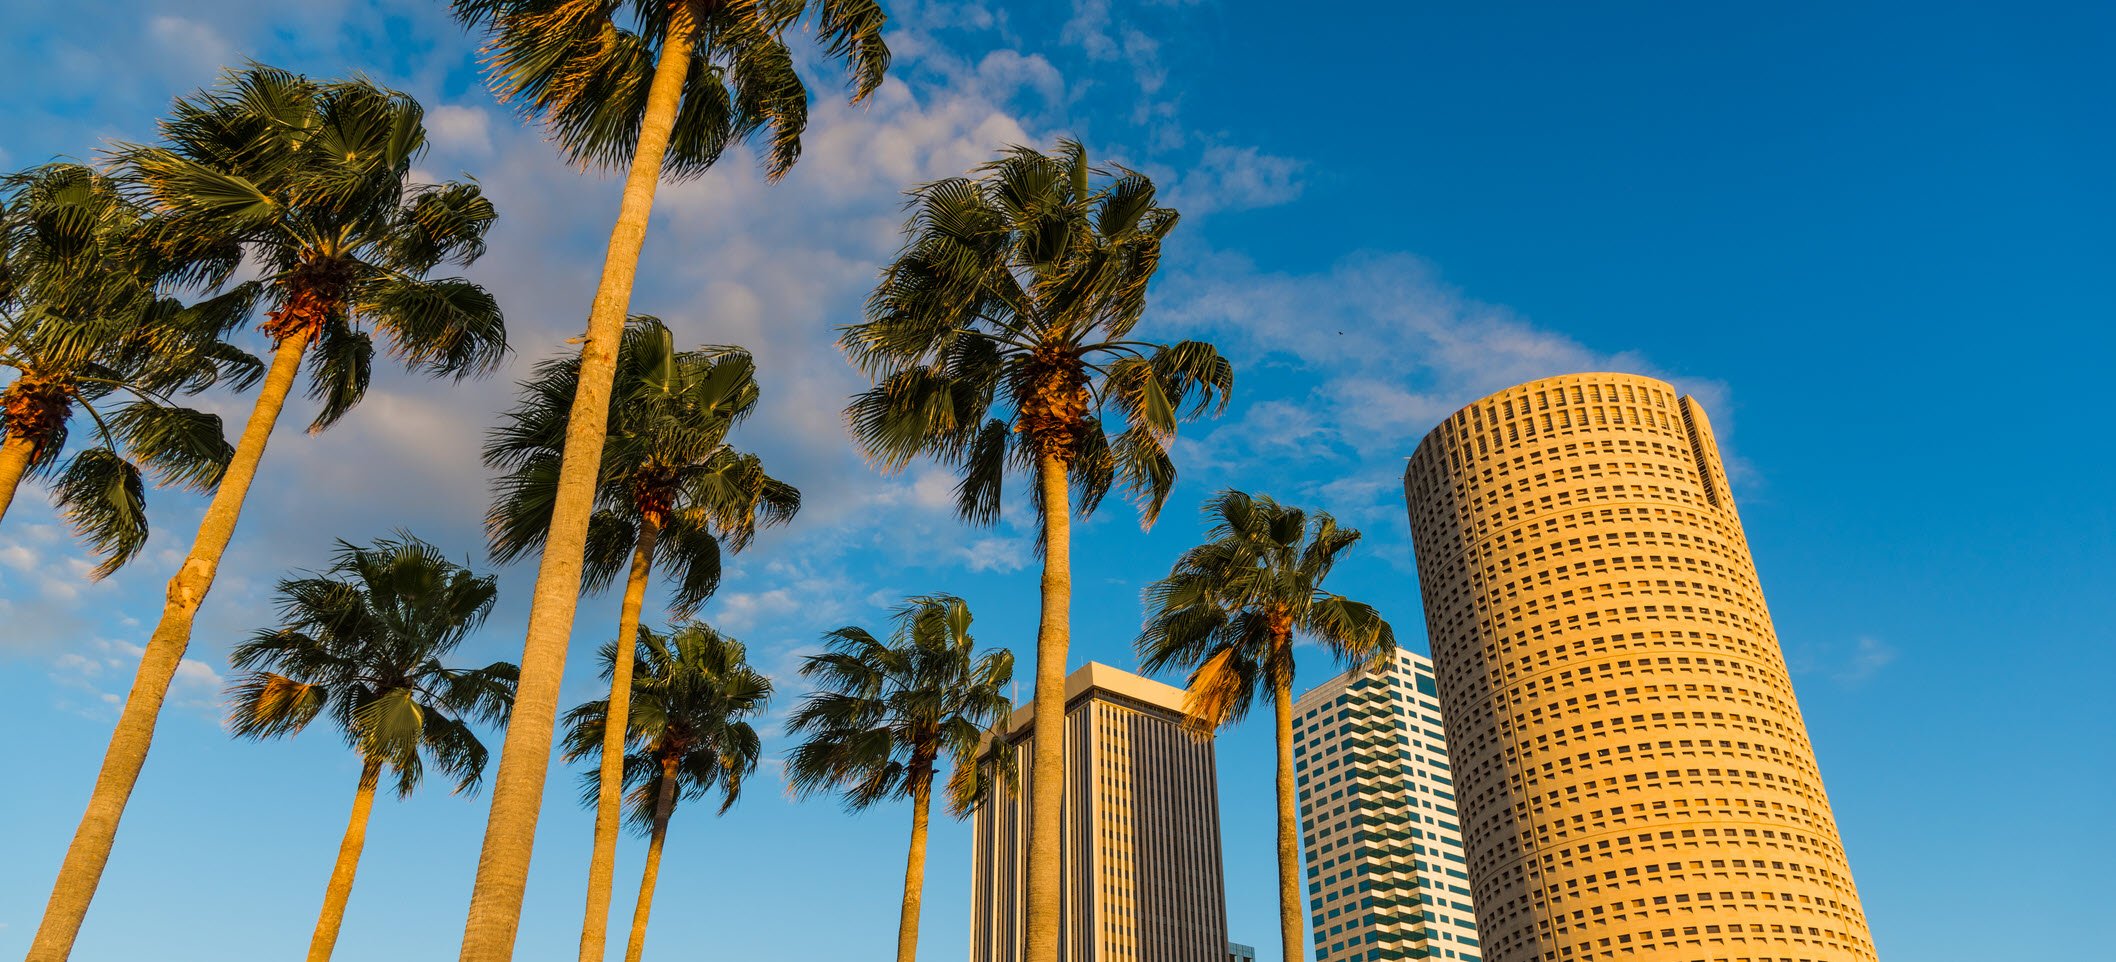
688	734
1000	339
363	644
312	179
88	325
659	88
885	715
671	493
1229	611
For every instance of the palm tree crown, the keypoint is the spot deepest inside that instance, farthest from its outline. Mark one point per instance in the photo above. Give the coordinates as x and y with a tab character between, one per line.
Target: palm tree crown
1229	611
88	323
585	69
364	643
666	463
1001	335
1231	607
885	714
313	179
692	697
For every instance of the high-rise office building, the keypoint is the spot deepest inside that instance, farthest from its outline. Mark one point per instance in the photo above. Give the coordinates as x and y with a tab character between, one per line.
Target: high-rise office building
1141	853
1386	878
1634	776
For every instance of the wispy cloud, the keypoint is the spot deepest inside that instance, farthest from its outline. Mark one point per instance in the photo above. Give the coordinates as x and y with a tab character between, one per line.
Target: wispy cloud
1868	657
1238	178
1352	365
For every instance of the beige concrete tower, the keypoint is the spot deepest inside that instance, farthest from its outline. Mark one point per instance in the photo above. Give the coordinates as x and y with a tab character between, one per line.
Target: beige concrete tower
1635	780
1141	853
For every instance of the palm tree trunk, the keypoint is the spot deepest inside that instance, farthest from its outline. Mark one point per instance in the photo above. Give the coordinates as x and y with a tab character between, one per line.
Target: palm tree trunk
518	790
1047	766
1290	930
341	887
663	804
914	870
602	866
90	850
15	453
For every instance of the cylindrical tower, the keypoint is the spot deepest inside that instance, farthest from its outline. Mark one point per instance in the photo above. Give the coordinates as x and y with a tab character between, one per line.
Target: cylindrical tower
1634	778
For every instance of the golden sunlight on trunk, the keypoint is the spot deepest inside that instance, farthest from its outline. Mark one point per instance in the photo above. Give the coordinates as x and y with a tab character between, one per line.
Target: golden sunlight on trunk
1047	767
518	790
664	803
15	455
341	888
602	865
1290	903
914	871
90	849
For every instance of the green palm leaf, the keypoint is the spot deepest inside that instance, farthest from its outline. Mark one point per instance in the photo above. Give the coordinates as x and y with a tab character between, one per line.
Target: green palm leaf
363	642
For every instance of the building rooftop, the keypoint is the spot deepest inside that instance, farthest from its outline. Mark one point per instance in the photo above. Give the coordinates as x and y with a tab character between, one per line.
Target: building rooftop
1095	676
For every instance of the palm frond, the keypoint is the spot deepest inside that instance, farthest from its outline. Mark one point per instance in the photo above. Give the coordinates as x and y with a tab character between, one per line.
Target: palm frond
1230	607
102	497
363	642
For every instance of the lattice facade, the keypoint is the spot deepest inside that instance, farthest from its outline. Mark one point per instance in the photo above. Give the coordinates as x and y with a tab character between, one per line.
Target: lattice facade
1386	873
1635	779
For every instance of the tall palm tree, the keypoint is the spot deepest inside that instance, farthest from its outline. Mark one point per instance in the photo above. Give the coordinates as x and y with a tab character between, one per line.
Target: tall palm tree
658	88
671	493
886	714
1001	338
1228	612
362	643
688	734
312	179
89	326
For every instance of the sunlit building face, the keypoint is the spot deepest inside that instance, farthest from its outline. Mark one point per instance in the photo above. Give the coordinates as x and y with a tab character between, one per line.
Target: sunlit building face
1635	779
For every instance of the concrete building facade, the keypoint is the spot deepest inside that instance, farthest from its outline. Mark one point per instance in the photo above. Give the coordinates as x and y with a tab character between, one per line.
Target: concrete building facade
1142	874
1635	779
1386	873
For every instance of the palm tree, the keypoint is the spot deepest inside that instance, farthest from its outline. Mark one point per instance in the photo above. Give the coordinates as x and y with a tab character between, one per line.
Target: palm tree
671	492
688	734
658	88
87	325
885	714
312	179
1001	337
1228	612
363	643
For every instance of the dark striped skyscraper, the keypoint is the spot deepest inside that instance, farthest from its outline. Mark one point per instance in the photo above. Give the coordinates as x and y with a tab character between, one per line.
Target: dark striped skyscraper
1141	856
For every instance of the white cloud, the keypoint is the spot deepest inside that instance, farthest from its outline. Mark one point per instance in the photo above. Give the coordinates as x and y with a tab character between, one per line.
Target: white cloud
18	557
1349	368
195	47
1237	178
1868	657
1089	29
996	554
102	672
462	130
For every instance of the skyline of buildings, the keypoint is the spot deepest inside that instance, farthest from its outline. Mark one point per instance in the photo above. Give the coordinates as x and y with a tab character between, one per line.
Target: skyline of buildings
1382	844
1142	873
1635	778
1603	760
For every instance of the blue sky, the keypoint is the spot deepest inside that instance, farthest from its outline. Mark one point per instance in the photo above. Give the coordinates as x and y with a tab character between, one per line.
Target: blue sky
1874	239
